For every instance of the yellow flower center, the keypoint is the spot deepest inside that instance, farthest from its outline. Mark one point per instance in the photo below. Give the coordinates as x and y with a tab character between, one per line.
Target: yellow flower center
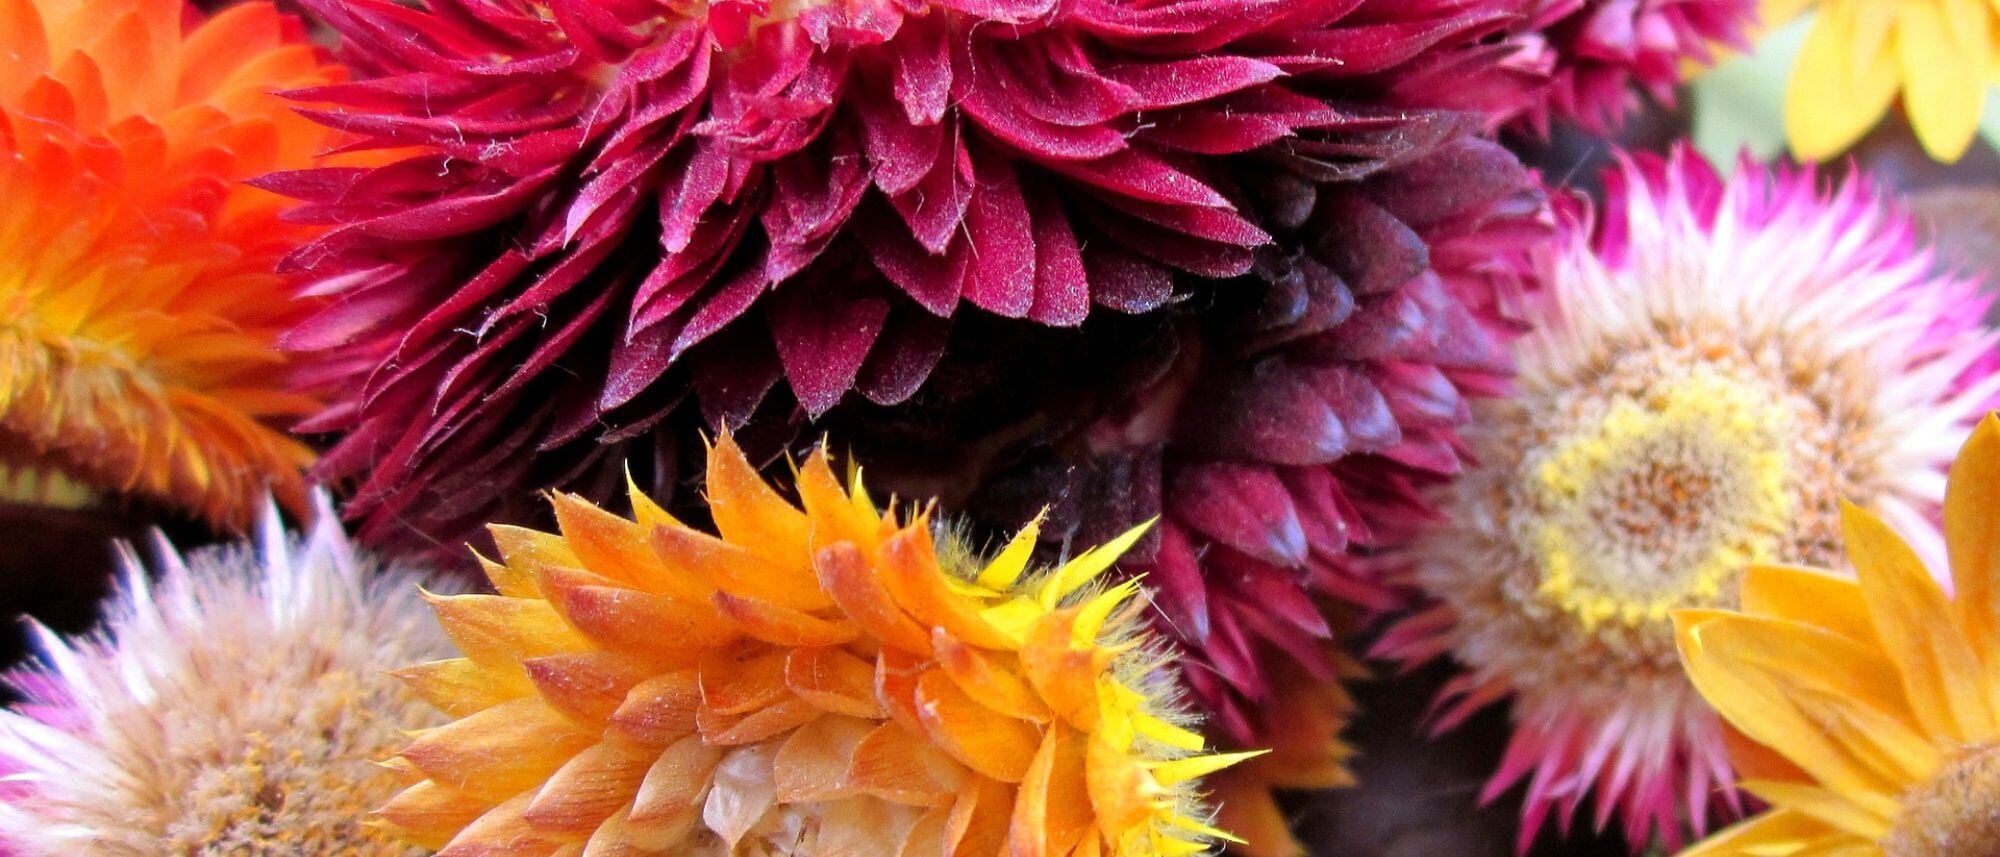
1956	813
1660	498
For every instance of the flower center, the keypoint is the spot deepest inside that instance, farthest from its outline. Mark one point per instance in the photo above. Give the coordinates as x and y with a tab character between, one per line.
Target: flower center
1660	496
1956	813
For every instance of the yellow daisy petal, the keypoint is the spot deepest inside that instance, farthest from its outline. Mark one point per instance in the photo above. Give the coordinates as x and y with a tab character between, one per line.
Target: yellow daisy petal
1832	99
1942	89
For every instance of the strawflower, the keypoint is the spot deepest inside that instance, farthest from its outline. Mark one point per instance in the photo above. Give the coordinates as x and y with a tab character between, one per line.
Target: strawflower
1860	55
826	678
238	705
1599	56
1869	704
138	309
621	210
1715	364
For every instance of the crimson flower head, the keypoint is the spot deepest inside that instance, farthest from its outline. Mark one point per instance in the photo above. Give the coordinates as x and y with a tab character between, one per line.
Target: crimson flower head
612	208
1598	56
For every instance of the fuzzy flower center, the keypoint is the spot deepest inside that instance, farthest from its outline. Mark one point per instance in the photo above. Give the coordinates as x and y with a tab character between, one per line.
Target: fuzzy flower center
1659	495
1957	812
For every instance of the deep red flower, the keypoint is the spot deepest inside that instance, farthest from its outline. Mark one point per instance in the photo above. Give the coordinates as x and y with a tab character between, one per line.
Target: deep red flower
613	206
1599	55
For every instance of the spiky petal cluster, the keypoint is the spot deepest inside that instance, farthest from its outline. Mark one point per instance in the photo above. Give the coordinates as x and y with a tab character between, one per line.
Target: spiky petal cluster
820	679
1711	369
239	705
138	309
1600	55
621	205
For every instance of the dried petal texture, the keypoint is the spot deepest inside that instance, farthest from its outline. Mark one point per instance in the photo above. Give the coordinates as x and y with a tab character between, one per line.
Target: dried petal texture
819	678
1866	705
237	704
619	209
1714	363
1599	56
139	311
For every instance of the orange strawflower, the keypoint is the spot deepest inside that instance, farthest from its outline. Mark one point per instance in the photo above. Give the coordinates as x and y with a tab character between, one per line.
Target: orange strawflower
1306	716
138	304
820	679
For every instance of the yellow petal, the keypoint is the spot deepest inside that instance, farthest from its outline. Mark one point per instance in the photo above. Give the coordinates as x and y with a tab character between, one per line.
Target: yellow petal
1972	537
1832	99
1836	809
1811	596
1088	565
1944	75
1941	674
1006	567
1780	831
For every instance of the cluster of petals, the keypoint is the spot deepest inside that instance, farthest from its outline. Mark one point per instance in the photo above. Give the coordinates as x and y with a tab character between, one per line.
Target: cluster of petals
816	679
615	208
139	311
1598	57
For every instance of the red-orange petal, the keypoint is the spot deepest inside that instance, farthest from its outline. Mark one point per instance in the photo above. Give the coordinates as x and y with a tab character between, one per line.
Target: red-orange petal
834	681
859	591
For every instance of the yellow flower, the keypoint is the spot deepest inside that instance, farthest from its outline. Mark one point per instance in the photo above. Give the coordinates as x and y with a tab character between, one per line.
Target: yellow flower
820	679
1859	54
1871	705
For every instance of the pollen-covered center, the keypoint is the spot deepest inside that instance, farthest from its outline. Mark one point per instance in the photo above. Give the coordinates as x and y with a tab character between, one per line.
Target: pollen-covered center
1955	813
1659	495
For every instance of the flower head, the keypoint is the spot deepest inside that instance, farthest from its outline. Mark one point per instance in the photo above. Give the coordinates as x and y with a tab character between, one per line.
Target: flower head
621	207
1599	55
138	309
1706	378
1870	703
818	679
239	705
1859	55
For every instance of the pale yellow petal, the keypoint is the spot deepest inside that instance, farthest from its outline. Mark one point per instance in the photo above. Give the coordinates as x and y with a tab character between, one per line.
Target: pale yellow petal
1944	76
1832	100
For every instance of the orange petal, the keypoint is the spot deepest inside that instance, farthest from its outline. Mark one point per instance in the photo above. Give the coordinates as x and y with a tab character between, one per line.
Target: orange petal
430	814
591	786
620	550
747	512
588	686
927	837
499	752
787	582
501	832
846	576
1052	811
834	516
1121	792
736	684
1945	681
676	782
896	675
994	679
459	686
862	828
834	681
814	761
896	764
909	569
980	818
529	551
1972	536
661	709
662	628
782	626
728	730
498	631
1064	677
987	741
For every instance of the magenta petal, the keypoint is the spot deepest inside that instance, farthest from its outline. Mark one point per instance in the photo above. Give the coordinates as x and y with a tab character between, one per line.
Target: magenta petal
822	341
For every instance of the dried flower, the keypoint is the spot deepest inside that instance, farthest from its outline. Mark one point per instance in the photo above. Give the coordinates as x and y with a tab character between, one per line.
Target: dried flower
1706	378
238	706
817	679
1600	55
138	311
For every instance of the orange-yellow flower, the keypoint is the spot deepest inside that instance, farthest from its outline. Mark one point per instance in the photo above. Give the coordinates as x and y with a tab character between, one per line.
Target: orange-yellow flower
138	307
820	679
1306	716
1871	705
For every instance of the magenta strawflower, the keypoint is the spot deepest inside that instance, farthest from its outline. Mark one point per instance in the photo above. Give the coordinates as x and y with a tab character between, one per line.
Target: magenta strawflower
616	207
1600	56
1714	364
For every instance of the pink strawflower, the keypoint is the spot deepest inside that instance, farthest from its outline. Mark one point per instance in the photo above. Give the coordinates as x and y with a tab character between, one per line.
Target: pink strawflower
1714	363
616	206
1600	56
